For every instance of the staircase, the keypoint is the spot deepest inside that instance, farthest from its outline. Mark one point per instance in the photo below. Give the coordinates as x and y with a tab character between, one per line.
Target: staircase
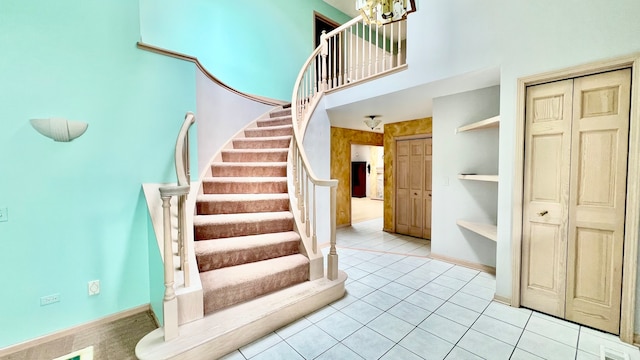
244	238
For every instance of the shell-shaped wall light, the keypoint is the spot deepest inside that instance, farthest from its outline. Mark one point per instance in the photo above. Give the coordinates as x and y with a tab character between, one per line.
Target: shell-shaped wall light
59	129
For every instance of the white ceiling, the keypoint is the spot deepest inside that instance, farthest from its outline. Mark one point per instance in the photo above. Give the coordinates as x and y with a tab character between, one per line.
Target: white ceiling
408	104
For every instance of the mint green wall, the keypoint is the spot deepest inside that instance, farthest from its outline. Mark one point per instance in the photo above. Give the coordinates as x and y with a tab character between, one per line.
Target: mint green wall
256	47
76	210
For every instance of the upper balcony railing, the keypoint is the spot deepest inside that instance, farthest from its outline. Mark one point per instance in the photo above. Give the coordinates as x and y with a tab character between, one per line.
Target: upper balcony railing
350	54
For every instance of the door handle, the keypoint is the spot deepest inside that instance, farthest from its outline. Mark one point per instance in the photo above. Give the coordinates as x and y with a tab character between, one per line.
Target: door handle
543	213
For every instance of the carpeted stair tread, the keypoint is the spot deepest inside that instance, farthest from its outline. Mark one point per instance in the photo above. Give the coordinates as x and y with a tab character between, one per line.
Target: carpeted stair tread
279	113
281	130
235	284
219	253
249	169
274	121
255	155
270	142
231	225
209	204
244	185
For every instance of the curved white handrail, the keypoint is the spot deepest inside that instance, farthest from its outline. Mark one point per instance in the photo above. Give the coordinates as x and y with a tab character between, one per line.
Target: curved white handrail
182	150
351	53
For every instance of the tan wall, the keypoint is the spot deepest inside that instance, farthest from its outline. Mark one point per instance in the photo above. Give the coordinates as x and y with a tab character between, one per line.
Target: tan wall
392	131
341	140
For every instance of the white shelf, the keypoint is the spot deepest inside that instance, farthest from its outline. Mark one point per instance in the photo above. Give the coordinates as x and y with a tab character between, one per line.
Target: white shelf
487	230
492	178
482	124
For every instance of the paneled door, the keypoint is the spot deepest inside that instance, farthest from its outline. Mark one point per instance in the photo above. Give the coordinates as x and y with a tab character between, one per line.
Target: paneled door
574	198
413	187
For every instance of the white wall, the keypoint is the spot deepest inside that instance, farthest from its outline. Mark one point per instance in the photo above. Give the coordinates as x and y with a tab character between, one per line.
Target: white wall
467	152
220	114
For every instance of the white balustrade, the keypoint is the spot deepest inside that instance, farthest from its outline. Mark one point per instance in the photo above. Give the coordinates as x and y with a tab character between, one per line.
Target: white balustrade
180	190
351	53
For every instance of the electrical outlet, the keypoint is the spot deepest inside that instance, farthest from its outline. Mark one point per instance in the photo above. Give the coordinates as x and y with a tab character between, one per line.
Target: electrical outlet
49	299
4	214
94	287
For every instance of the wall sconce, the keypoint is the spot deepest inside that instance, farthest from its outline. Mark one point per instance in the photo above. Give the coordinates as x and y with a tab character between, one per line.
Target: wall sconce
372	122
62	130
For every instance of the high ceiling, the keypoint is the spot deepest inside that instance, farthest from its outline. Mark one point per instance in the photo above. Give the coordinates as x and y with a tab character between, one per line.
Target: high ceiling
346	6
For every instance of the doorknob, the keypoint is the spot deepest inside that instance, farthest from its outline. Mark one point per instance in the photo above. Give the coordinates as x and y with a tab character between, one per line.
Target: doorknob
543	213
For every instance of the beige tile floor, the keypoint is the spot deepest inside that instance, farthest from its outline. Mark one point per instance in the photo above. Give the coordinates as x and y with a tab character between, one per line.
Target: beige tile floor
402	305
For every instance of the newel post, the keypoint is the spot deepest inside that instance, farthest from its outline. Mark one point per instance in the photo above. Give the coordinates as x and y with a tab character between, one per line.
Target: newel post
170	302
324	52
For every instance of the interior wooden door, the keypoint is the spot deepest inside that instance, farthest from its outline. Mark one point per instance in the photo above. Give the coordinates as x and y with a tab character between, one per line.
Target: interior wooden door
416	187
403	202
598	193
428	156
574	198
546	195
413	187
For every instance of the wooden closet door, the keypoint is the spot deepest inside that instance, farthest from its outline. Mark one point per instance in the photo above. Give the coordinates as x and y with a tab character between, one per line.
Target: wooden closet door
428	156
416	187
403	201
598	194
546	195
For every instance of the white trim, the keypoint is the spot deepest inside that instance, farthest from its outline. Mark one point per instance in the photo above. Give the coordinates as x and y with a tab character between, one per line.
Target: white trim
632	221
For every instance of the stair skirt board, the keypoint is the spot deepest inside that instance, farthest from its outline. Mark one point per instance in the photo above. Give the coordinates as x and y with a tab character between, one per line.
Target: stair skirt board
224	331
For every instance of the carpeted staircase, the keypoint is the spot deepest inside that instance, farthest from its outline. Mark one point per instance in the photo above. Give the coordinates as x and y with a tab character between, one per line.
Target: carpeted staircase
245	244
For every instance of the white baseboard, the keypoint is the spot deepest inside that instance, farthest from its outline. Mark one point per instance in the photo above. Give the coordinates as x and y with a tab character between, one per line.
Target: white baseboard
484	268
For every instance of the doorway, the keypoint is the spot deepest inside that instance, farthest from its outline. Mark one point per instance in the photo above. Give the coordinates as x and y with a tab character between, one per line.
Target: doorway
576	145
631	195
367	182
413	187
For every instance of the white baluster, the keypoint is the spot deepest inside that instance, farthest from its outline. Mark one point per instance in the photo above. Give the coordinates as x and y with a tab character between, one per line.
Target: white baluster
307	207
315	227
332	258
384	48
399	62
370	53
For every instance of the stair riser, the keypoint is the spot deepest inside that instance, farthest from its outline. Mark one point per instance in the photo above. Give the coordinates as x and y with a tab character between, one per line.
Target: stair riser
254	156
217	260
219	231
219	299
248	171
275	187
264	144
279	113
267	132
274	122
236	207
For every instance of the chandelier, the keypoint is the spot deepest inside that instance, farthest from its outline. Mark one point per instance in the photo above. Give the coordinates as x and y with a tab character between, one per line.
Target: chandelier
382	12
